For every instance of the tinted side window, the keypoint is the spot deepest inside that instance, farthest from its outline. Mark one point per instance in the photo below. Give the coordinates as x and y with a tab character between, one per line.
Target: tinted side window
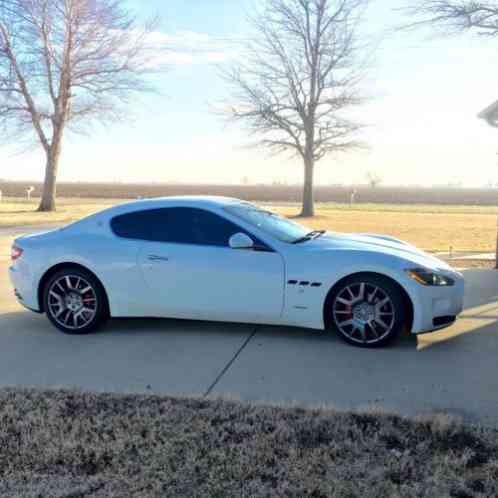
134	225
193	226
179	225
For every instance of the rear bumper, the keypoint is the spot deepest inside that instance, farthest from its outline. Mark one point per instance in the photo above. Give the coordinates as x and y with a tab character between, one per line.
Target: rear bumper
24	289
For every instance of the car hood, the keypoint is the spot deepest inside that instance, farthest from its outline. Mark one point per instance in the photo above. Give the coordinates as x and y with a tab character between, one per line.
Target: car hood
381	244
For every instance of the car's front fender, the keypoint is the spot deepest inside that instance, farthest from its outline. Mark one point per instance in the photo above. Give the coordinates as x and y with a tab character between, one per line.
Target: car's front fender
306	299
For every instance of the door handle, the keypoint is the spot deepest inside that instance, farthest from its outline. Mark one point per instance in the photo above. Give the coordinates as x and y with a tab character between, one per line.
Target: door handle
155	258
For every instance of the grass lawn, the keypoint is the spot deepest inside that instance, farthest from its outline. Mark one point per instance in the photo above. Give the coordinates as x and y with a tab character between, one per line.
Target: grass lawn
70	444
434	228
16	212
428	230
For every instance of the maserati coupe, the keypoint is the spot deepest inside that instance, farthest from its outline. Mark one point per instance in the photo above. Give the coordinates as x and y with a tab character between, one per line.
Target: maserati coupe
222	259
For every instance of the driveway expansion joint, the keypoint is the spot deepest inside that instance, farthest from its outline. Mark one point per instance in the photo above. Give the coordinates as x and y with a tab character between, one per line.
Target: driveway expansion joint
231	362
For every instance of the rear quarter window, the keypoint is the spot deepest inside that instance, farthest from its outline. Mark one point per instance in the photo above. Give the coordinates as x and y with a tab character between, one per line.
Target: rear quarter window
133	225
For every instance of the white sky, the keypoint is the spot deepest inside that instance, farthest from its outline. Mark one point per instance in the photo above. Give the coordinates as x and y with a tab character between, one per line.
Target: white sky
422	120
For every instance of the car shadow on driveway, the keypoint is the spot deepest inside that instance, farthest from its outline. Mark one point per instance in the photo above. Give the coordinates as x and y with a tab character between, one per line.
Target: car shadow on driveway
298	335
474	325
467	327
26	321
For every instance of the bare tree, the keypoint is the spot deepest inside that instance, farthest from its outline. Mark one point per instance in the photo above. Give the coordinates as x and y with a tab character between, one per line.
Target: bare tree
297	75
373	179
64	63
456	16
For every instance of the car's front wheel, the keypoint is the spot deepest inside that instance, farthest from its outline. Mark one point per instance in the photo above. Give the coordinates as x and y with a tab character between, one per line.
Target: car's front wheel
75	301
366	310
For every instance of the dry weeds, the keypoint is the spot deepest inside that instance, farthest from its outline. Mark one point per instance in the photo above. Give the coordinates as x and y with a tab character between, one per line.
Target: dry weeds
69	444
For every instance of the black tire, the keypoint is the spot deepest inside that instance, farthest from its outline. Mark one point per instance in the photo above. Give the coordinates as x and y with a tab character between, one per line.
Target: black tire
61	298
381	323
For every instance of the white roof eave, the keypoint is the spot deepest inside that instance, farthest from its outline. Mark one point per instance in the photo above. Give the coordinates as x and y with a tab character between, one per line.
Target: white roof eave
490	114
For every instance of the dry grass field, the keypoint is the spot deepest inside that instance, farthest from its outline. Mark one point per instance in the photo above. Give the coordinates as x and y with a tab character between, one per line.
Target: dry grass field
70	444
431	227
427	229
269	193
18	212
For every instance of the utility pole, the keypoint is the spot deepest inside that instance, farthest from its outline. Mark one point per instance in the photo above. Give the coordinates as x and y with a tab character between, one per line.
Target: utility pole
496	246
490	115
496	252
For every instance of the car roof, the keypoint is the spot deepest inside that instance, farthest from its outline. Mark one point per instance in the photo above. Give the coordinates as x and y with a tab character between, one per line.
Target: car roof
199	201
205	201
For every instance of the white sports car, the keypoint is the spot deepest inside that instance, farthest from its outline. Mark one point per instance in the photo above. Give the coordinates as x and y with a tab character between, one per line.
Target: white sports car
211	258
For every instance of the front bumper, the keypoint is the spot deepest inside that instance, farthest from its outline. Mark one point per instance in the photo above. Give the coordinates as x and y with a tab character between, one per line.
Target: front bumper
439	306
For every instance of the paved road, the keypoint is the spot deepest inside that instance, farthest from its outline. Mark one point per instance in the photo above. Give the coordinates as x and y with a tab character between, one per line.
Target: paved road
452	371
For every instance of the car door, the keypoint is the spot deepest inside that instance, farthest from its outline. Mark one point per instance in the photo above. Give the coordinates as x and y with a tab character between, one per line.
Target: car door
192	272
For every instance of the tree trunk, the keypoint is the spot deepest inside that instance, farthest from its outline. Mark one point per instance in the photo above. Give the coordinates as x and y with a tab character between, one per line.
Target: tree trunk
47	203
308	194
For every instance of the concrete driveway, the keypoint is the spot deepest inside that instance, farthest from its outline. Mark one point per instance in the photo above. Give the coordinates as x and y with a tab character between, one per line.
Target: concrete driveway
452	371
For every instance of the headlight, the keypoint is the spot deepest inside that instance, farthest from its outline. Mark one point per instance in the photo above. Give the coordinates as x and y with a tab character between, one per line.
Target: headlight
429	277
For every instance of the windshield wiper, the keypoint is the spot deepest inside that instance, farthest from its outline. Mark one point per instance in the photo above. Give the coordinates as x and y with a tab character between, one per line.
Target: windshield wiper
309	236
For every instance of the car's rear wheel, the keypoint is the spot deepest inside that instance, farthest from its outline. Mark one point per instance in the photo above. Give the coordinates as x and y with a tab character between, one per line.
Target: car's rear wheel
366	311
75	301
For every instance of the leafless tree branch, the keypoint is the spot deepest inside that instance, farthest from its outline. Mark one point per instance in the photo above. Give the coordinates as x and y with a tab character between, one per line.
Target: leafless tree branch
455	16
66	63
299	73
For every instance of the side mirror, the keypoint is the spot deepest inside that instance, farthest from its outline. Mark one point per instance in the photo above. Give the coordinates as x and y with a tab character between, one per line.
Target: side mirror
241	241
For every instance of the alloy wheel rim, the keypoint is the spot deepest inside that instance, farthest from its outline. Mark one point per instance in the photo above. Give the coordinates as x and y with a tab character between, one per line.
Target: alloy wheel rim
364	313
72	302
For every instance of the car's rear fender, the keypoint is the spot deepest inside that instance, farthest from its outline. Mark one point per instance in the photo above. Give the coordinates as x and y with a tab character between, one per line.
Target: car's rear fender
116	267
64	266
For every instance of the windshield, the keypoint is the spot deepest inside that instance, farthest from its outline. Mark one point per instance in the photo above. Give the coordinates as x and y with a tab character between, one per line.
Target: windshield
271	223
